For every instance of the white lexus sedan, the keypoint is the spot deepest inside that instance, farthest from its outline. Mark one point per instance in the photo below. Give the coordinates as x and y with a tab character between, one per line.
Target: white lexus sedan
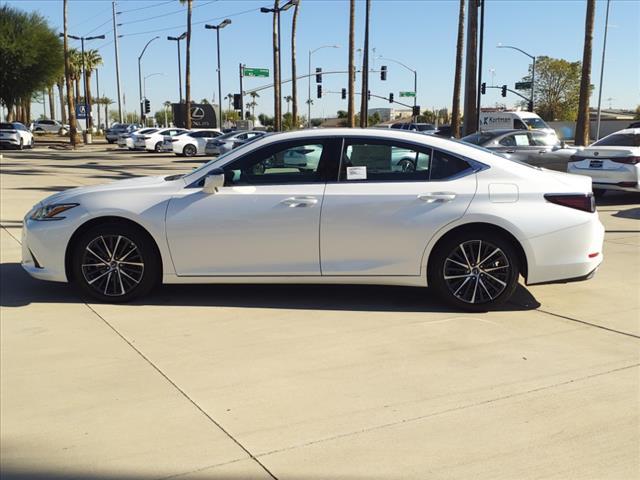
613	162
455	217
152	142
15	134
192	143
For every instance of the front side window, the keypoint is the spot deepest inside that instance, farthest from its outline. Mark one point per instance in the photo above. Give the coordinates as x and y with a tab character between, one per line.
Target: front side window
517	140
292	164
384	162
543	140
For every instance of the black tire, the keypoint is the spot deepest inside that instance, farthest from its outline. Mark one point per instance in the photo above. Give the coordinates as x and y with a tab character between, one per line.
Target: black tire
189	150
157	147
21	146
599	192
107	279
32	143
467	284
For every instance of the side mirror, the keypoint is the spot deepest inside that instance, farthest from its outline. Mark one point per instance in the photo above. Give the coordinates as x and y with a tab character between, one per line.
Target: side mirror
213	181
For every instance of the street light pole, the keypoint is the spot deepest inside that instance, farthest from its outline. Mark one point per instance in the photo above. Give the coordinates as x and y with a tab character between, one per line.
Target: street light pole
309	81
177	40
415	79
604	49
217	28
533	67
278	63
142	114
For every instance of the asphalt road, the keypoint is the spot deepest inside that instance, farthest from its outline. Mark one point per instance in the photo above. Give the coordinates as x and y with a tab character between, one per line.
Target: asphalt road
311	382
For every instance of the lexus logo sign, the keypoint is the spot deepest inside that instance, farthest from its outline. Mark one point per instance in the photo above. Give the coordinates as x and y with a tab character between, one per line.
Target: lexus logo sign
197	113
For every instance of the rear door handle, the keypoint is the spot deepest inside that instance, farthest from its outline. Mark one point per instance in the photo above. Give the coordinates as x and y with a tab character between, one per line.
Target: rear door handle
437	197
295	202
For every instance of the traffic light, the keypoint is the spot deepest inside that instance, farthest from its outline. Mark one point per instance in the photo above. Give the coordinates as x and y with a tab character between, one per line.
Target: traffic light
416	110
504	90
368	94
344	94
530	106
318	75
391	98
147	105
237	101
383	72
483	88
319	91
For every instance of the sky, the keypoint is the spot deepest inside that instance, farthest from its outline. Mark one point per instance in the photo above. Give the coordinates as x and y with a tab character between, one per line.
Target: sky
419	33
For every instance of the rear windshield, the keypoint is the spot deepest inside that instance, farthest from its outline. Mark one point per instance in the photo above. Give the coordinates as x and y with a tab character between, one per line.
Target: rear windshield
477	138
619	140
6	126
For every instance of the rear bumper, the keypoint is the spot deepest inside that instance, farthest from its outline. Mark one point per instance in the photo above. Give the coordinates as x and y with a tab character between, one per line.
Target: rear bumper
622	186
588	276
14	142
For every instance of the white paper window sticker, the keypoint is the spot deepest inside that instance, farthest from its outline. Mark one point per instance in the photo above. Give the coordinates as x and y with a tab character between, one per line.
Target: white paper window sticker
356	173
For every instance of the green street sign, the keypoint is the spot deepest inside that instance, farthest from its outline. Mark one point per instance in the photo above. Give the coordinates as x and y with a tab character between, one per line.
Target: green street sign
523	85
256	72
407	94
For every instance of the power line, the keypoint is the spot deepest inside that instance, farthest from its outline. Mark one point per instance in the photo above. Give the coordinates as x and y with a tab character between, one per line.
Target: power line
147	7
99	14
194	23
101	25
166	14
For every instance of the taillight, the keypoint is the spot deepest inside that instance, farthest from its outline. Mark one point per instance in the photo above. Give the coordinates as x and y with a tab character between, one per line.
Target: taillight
579	201
575	158
627	160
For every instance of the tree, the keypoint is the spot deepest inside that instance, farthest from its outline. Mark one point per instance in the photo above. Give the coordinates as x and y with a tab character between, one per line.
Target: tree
229	98
60	85
637	117
253	104
351	105
343	114
266	120
187	77
288	99
557	88
294	81
457	81
75	57
73	128
92	60
204	101
582	124
31	57
164	116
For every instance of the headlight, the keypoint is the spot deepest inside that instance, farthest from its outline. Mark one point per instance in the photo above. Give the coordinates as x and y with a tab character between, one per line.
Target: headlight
50	212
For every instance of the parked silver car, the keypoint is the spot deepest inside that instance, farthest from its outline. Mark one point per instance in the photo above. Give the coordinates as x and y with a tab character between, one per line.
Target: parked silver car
229	141
49	126
112	133
535	147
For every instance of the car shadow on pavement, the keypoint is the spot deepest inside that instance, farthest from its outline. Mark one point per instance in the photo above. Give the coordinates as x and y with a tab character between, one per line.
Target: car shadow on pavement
19	289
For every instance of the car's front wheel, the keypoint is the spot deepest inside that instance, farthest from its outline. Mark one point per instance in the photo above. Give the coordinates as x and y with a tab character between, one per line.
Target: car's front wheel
158	147
474	271
115	263
21	145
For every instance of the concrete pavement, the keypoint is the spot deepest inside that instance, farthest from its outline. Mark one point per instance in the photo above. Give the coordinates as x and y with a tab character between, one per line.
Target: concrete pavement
304	382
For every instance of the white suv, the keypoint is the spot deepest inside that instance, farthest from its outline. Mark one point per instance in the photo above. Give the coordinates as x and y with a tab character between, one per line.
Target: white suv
16	135
49	126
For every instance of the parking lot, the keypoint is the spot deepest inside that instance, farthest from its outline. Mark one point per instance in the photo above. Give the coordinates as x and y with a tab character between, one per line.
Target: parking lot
311	382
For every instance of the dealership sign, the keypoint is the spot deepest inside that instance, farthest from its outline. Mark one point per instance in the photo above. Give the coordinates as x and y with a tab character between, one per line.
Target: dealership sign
203	115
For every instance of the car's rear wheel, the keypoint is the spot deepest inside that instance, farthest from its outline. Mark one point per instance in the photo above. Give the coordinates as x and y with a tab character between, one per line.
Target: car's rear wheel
115	263
474	271
158	147
21	145
189	150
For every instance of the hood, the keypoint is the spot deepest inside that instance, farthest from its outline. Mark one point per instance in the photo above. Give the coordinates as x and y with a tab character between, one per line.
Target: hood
131	183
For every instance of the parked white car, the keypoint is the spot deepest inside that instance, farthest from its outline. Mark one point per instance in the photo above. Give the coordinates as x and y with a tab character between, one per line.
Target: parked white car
15	134
465	221
127	140
49	126
613	162
229	141
192	143
153	142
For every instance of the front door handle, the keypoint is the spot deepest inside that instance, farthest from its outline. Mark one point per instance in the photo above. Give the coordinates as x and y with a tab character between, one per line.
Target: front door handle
295	202
511	150
437	197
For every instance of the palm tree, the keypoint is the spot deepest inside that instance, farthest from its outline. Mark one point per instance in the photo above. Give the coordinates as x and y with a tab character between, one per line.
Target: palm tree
167	106
582	124
73	129
63	112
351	121
92	60
52	107
187	77
253	103
457	82
106	101
229	97
288	99
294	82
75	57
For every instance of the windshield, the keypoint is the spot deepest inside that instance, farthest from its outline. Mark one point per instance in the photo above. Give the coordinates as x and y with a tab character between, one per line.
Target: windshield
619	140
148	130
492	152
535	123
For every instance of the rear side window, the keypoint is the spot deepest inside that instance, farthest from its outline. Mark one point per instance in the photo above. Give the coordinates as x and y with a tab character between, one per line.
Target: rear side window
6	126
619	140
445	166
384	162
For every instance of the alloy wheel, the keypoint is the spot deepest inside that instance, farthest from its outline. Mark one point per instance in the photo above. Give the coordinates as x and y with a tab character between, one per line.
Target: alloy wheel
112	265
476	272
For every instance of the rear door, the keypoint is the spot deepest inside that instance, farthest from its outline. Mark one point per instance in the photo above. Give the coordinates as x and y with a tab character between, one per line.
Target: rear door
391	198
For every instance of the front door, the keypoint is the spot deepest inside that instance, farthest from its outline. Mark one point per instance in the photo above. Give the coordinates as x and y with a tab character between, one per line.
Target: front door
264	221
390	200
